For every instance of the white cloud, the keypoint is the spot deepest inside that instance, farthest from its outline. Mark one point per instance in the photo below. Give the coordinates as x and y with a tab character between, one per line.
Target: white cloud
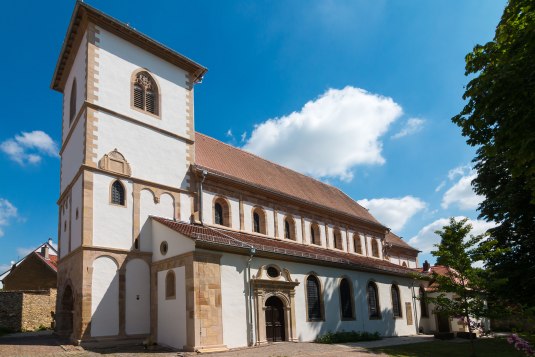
459	171
394	212
440	186
412	126
7	212
329	135
22	252
28	148
426	238
462	194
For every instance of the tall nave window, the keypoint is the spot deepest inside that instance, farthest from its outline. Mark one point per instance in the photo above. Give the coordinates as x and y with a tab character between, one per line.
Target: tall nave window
145	93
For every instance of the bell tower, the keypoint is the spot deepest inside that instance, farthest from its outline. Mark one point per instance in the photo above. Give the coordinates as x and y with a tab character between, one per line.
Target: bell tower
127	145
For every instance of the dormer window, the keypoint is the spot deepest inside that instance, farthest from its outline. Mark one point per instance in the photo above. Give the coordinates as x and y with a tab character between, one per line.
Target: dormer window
145	93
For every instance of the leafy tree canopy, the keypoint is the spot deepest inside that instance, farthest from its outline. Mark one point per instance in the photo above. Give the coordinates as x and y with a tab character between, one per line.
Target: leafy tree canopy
499	119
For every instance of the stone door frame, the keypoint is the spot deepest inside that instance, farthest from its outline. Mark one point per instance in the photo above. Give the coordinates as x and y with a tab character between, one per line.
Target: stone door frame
281	287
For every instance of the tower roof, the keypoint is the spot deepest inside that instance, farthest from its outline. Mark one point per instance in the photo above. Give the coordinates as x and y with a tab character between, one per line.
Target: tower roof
83	14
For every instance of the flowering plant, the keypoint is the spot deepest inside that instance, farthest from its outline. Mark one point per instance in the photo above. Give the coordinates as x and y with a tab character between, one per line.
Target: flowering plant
521	344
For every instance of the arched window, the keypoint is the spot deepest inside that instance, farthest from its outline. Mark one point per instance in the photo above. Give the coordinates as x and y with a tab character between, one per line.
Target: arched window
404	264
357	245
218	212
170	285
375	248
396	301
315	234
373	301
72	102
346	302
289	228
221	212
145	93
259	221
337	239
423	303
117	193
313	299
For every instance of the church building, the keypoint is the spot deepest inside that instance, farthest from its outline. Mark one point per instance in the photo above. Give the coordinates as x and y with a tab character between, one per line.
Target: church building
168	235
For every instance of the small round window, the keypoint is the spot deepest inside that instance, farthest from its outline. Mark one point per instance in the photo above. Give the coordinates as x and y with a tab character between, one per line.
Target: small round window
163	248
273	272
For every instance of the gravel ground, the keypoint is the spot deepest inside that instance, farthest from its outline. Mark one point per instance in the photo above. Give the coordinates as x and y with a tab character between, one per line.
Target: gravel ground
45	344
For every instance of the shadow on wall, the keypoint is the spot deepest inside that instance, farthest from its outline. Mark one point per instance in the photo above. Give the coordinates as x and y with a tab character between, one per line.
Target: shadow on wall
385	325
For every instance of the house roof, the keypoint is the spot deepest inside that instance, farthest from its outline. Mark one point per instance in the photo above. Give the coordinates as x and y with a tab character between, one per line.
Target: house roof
230	162
53	254
83	11
398	241
51	262
223	239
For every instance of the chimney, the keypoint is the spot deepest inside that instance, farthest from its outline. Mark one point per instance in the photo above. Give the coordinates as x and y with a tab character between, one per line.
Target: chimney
44	251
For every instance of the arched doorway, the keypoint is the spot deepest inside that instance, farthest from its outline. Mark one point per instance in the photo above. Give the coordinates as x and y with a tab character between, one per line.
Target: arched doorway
275	329
65	322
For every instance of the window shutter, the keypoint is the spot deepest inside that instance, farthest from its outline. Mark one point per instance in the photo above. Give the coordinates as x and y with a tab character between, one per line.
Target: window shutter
138	96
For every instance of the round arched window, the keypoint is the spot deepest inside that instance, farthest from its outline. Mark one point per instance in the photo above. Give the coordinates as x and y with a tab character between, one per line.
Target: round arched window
273	272
163	248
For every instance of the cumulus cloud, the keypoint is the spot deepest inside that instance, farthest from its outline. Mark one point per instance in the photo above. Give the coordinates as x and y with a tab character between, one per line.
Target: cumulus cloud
329	135
28	148
7	212
394	212
462	194
426	238
412	126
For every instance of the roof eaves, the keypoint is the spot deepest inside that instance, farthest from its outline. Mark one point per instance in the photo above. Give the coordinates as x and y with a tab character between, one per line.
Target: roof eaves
199	168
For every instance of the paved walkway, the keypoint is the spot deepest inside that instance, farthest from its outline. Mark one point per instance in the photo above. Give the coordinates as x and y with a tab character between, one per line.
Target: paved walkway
45	344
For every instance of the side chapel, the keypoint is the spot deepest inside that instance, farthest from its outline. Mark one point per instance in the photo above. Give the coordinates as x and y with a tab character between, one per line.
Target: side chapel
170	235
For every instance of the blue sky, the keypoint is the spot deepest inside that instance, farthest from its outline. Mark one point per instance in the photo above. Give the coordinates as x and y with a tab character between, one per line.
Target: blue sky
359	94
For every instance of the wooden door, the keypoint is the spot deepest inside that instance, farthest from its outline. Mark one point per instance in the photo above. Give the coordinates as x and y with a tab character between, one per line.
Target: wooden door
274	320
443	322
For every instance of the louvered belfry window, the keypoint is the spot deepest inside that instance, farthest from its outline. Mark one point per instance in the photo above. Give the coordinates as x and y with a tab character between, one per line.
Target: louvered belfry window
313	298
145	93
373	302
117	193
345	299
396	303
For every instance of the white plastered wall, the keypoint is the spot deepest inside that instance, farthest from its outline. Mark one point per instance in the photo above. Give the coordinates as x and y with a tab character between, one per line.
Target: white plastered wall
72	156
118	59
172	312
112	224
165	208
234	314
104	298
177	243
76	205
152	156
137	297
185	207
78	71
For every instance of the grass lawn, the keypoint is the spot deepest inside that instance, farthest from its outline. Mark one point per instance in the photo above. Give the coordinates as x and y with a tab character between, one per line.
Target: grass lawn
484	347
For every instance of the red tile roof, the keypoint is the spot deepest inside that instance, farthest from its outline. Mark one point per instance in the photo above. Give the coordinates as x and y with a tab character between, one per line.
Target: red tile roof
222	238
52	262
236	164
398	242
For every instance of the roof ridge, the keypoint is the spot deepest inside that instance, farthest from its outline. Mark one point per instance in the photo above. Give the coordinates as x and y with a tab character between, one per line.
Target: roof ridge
278	165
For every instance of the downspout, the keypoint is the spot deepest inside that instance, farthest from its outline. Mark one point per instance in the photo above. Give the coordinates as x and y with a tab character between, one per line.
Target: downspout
203	173
250	333
416	322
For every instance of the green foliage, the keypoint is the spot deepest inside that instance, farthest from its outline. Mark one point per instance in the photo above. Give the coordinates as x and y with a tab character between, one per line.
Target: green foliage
486	347
343	336
499	119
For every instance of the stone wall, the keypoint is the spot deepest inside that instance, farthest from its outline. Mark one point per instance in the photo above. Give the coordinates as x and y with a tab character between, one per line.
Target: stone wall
27	310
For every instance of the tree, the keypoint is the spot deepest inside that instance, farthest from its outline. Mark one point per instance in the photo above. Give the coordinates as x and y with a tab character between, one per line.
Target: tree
499	119
460	291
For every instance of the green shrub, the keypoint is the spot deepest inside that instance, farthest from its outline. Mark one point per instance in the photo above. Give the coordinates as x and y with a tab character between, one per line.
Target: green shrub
347	336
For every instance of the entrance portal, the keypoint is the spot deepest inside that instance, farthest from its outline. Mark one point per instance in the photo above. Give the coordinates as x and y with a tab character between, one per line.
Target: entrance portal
443	322
274	320
64	317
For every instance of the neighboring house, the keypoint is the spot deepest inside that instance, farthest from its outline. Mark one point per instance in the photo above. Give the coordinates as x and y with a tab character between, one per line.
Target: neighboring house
439	322
168	234
27	301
